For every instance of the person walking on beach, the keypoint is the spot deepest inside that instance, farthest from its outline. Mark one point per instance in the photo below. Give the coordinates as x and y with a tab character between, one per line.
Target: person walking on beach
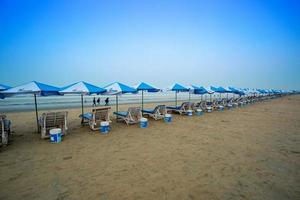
106	101
98	101
94	101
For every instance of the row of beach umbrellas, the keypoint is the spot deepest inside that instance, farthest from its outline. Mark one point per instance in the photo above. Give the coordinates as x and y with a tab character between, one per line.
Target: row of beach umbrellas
117	88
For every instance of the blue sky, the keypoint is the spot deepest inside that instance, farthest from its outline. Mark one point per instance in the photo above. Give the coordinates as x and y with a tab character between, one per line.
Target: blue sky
245	43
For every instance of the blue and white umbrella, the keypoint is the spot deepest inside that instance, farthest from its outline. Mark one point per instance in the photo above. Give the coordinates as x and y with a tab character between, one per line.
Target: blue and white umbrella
200	90
178	88
82	88
193	89
219	90
35	88
236	90
145	87
4	87
117	89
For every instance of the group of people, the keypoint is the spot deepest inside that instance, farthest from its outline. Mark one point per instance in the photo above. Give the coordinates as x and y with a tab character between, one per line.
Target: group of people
95	103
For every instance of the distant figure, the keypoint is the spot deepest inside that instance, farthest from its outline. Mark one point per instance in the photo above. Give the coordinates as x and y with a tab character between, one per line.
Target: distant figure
98	101
94	101
106	101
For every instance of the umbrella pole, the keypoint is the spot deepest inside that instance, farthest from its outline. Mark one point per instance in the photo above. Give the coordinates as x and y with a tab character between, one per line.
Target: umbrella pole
175	98
117	106
201	97
189	96
82	108
36	114
142	101
210	98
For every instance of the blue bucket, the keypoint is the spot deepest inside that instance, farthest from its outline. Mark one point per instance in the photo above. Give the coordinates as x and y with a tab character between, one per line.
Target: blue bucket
168	118
55	135
199	112
104	127
189	113
209	109
143	122
221	108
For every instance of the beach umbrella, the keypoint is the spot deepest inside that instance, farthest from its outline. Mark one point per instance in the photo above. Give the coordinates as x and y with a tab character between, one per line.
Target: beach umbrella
178	88
4	87
193	89
117	89
82	88
145	87
201	90
235	90
35	88
219	90
209	91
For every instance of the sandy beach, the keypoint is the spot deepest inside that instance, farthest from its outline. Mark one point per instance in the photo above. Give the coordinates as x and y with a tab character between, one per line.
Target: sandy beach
245	153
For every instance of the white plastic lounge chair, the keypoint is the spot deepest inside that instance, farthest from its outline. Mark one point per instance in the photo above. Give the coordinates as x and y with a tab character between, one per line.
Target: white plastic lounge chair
180	109
53	120
5	129
207	106
132	116
157	113
97	115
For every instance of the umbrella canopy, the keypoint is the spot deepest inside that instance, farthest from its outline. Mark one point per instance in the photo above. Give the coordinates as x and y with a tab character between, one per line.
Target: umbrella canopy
176	87
35	88
32	87
145	87
236	90
81	88
4	87
218	89
117	88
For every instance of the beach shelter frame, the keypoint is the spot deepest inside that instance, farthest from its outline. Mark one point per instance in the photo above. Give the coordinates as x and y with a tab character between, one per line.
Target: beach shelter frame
117	89
35	88
82	88
145	87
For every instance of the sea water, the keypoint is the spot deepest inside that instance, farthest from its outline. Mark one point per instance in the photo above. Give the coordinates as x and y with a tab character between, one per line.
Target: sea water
26	102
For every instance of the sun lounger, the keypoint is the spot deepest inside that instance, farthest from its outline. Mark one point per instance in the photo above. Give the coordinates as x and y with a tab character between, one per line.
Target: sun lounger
219	104
97	115
132	116
157	113
5	129
53	120
208	106
180	109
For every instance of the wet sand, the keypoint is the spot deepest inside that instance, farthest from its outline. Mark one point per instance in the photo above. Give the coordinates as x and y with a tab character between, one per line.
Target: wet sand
245	153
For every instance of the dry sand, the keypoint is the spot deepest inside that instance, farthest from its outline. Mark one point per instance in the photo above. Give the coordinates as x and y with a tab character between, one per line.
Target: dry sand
245	153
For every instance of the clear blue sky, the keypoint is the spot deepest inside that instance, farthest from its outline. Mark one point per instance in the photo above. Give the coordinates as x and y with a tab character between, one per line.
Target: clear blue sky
245	43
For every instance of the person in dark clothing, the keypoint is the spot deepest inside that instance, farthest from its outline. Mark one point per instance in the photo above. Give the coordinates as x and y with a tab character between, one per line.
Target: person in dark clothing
98	101
106	101
94	101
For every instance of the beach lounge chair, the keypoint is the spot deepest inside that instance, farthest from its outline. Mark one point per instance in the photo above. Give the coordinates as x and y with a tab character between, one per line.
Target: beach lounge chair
97	115
185	106
157	113
219	104
53	120
132	116
207	106
4	129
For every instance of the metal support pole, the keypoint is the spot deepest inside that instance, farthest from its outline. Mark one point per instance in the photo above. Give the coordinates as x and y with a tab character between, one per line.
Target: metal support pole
36	114
142	101
82	109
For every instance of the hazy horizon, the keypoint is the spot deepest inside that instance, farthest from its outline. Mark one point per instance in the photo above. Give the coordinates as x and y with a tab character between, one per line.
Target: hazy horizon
239	43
